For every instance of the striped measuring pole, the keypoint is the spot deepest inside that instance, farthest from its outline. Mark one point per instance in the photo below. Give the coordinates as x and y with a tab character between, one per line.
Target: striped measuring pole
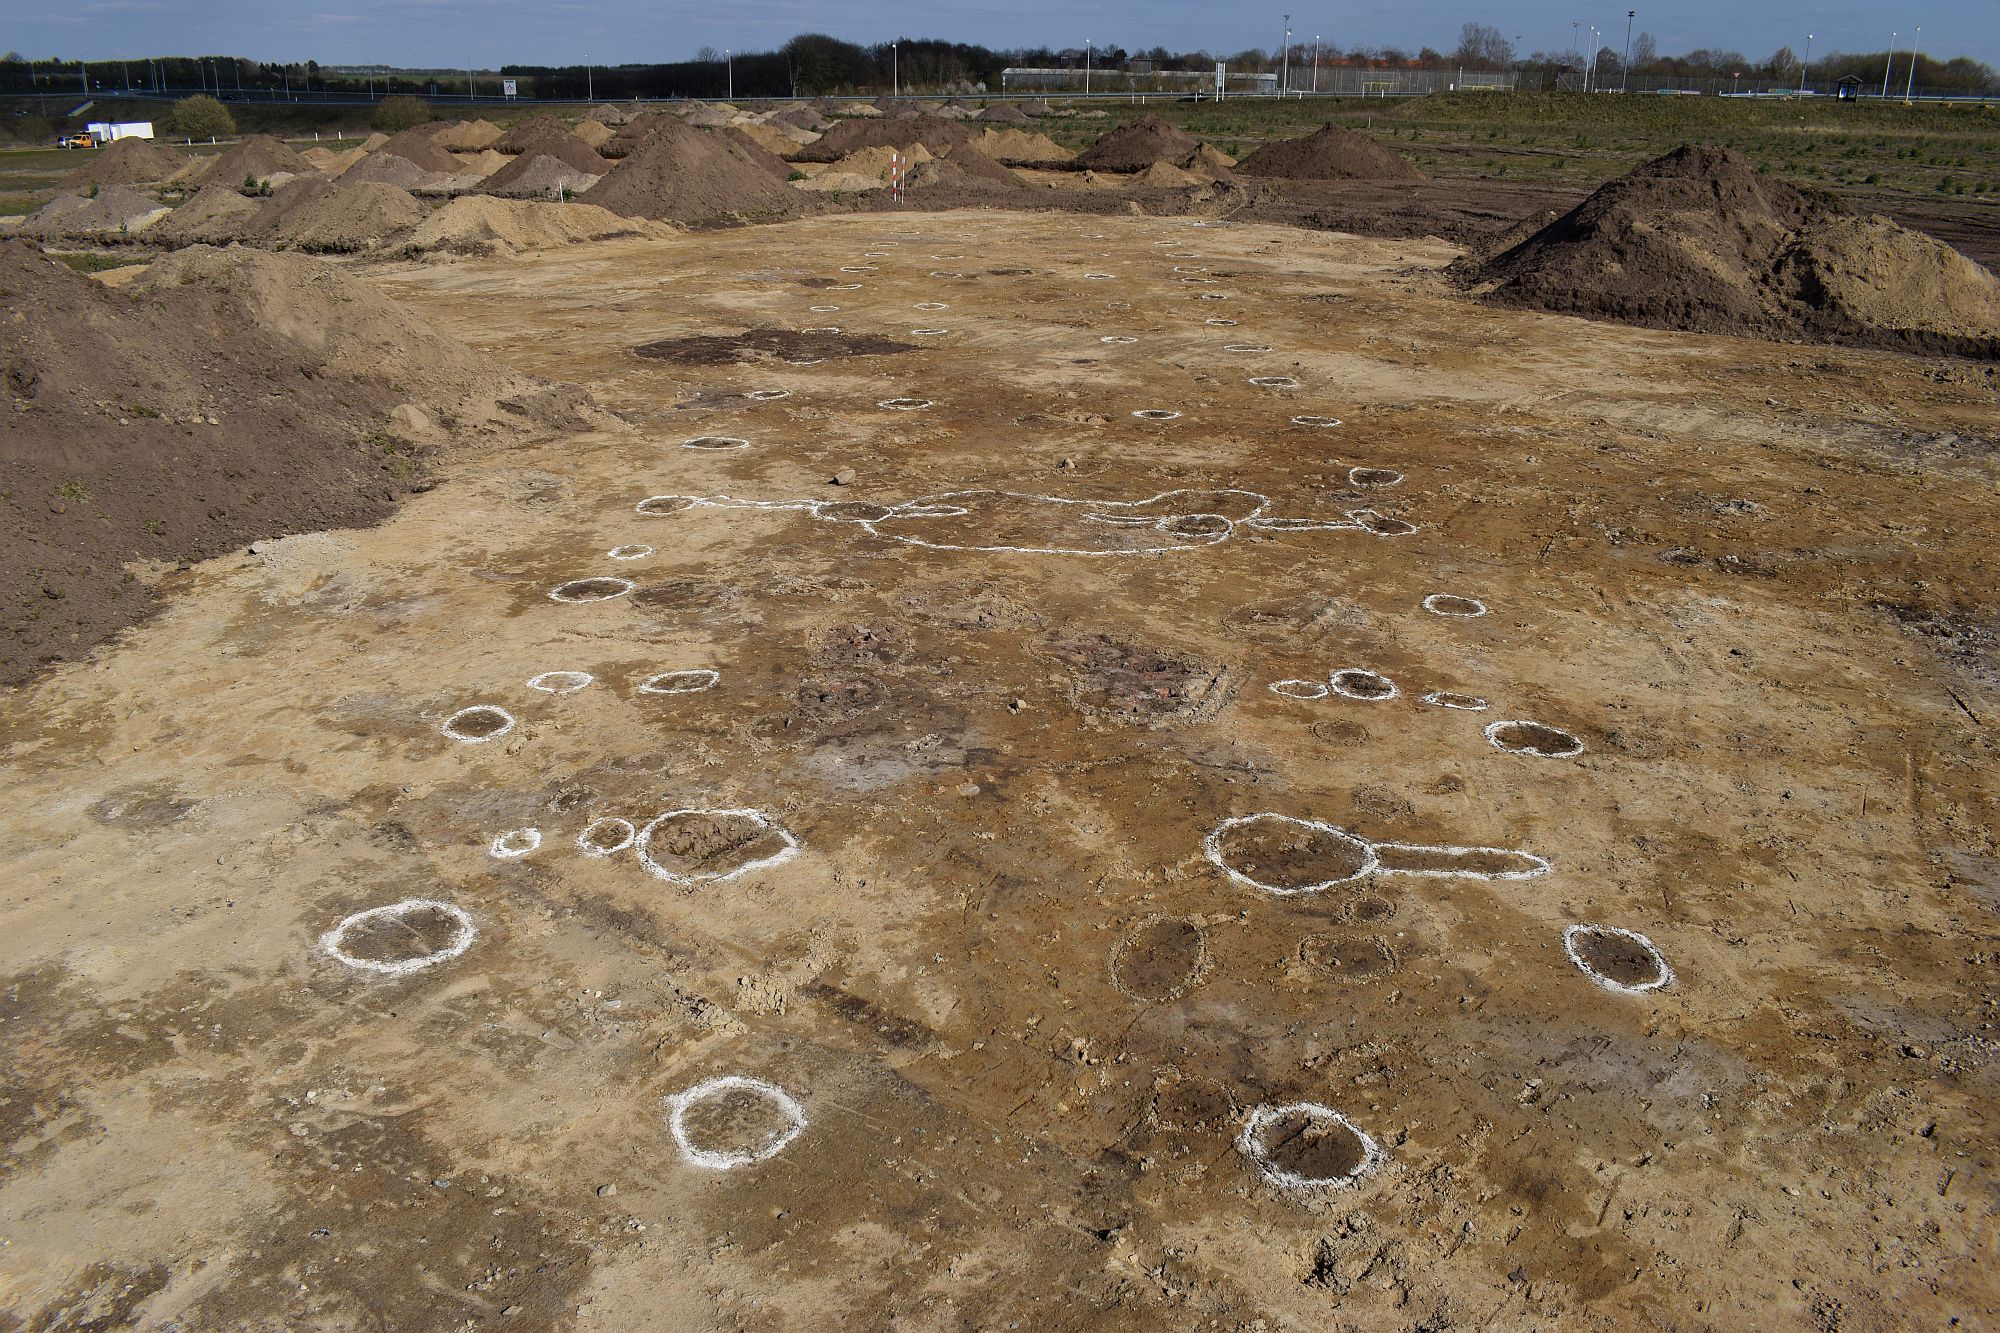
896	176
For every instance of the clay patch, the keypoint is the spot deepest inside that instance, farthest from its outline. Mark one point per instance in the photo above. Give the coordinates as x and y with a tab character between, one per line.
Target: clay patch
1162	959
1137	683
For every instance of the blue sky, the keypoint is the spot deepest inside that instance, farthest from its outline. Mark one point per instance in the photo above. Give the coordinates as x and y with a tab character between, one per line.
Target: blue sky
488	33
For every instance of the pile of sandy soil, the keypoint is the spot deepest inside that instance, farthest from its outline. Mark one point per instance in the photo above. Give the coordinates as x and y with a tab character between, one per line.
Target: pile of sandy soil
1329	153
862	170
216	214
776	136
482	163
703	116
681	174
124	162
592	132
374	141
607	114
387	168
540	176
801	118
332	163
260	157
299	368
1136	145
835	181
1005	113
467	136
113	212
479	225
939	136
335	217
1699	239
1208	162
1022	146
1163	176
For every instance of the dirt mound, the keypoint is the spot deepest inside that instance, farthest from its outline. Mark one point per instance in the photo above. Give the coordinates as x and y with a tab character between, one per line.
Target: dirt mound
607	114
941	137
330	162
478	225
875	162
483	163
216	214
124	162
1021	146
1035	107
417	145
1164	176
592	132
1208	162
110	212
970	172
466	136
773	166
801	118
1004	113
374	141
567	149
682	174
636	131
225	396
540	176
1698	239
704	117
1136	145
1329	153
774	139
260	157
387	168
532	135
342	216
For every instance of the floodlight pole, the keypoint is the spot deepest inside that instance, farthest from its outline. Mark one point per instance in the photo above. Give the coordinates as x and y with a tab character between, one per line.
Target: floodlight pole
1086	67
1805	65
1625	65
1888	65
1911	81
1315	64
589	81
1285	83
895	69
729	71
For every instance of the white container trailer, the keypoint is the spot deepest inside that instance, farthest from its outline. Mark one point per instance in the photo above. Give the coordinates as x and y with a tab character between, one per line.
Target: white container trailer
104	131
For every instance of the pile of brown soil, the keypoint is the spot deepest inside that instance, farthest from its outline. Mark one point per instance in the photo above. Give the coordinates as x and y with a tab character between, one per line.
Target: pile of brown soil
387	168
1003	113
417	145
124	162
299	369
477	225
259	157
972	172
1329	153
607	114
565	148
484	162
1023	147
539	176
1136	145
335	217
1035	107
466	136
1698	239
940	137
681	174
1208	163
531	134
112	212
702	116
802	118
215	215
636	131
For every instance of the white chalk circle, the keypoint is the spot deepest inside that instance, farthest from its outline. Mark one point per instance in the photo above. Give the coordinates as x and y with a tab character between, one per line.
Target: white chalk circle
1470	703
1361	683
1100	277
1245	347
1210	296
1374	476
858	268
1520	736
1314	856
1617	959
824	328
1317	1148
478	724
929	333
930	305
823	309
636	551
1452	605
605	836
1299	689
1200	282
1118	339
712	1089
560	682
461	940
644	843
1155	414
905	404
659	506
597	588
1220	323
1189	268
845	287
767	395
715	443
1273	381
515	843
1316	421
680	682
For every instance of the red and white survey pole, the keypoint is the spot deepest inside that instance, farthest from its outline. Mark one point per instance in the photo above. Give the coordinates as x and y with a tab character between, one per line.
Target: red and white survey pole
896	177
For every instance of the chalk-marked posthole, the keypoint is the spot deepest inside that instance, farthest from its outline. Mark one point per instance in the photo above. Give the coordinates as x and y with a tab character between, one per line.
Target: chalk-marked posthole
681	682
478	724
515	844
1617	959
1307	1148
699	846
1286	856
463	932
560	682
790	1115
1521	736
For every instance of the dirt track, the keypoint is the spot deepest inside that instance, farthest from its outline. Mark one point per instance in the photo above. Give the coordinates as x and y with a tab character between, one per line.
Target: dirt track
1024	1017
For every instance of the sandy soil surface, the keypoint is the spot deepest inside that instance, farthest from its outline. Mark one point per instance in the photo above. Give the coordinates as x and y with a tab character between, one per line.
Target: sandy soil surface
995	928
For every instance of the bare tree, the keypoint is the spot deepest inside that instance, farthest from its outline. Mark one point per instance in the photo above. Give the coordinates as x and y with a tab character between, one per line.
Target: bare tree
1482	45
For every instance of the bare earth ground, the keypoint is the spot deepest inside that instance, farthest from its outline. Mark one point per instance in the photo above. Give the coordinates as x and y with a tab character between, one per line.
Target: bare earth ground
1754	580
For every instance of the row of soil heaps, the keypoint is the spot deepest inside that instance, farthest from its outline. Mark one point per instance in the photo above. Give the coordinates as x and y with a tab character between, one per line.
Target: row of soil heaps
221	397
1697	239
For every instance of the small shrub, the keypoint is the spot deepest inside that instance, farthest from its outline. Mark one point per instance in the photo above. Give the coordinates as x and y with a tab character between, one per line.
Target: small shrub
400	113
200	117
74	490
